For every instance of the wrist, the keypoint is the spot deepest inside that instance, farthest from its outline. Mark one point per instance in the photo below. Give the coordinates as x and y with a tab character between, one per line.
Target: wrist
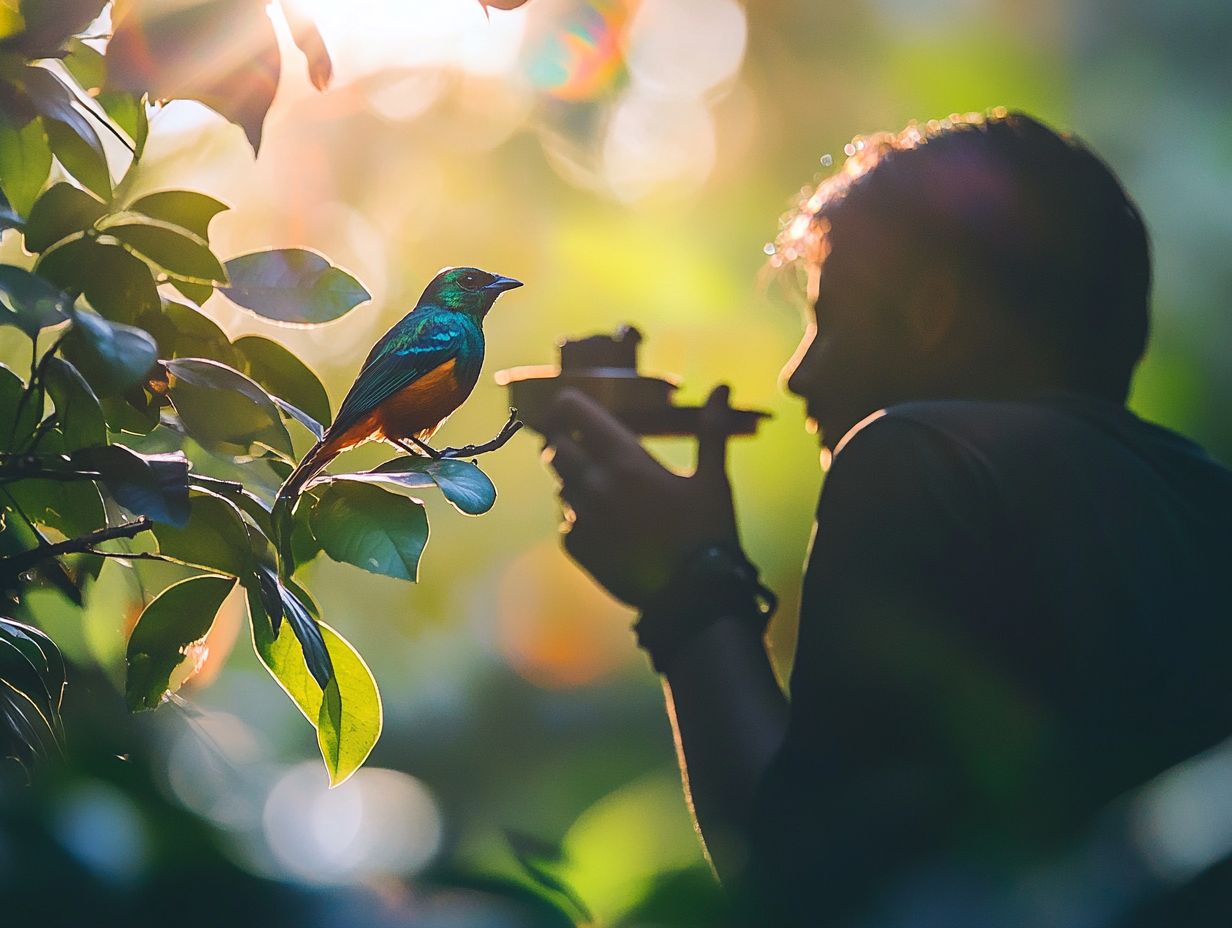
716	581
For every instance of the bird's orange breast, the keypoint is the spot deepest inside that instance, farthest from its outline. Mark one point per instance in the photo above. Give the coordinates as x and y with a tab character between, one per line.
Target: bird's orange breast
422	406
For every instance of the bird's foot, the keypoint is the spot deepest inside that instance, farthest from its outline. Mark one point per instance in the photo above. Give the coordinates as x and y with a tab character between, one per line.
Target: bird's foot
507	432
420	448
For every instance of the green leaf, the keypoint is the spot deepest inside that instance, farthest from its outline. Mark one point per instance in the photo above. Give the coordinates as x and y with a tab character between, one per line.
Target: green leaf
153	485
360	524
71	508
292	285
62	210
78	415
30	690
49	24
8	217
184	332
213	538
112	357
76	152
184	208
118	285
224	410
469	489
18	416
177	251
29	302
135	413
127	111
25	162
85	63
179	617
285	376
348	716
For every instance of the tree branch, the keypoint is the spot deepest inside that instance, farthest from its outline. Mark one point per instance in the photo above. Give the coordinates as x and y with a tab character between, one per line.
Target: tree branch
467	451
15	564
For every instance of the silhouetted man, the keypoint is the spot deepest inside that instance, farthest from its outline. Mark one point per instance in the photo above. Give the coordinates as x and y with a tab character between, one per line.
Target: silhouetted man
1016	614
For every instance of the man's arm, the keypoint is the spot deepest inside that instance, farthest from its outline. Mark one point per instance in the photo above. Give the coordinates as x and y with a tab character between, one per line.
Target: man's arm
632	523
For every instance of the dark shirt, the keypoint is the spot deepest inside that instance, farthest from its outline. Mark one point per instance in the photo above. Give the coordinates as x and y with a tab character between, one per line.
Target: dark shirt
1016	617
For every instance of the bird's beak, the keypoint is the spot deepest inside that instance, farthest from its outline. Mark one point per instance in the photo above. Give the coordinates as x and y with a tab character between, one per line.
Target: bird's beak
501	284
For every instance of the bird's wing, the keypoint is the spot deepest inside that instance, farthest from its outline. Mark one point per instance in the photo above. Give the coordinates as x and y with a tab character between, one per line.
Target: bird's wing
406	356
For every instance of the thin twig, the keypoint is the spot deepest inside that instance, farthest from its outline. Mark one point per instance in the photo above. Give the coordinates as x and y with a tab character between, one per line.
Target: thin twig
17	563
510	429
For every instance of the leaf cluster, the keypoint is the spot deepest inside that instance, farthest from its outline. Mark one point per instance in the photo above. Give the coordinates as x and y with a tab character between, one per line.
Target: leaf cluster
115	443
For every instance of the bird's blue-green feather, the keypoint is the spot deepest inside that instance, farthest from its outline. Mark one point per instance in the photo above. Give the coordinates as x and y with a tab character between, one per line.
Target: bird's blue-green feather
423	341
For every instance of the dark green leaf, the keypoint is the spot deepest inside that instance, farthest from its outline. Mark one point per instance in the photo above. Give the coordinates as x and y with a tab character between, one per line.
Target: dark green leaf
30	727
196	294
285	376
62	210
292	285
178	252
50	22
135	412
153	485
8	216
179	617
184	208
540	860
79	157
463	483
349	722
71	508
213	538
29	302
25	162
112	357
224	410
172	51
118	285
184	332
42	654
127	111
78	415
366	526
86	64
18	416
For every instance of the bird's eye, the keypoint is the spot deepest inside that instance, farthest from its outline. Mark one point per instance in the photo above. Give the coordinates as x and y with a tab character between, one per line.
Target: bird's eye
471	280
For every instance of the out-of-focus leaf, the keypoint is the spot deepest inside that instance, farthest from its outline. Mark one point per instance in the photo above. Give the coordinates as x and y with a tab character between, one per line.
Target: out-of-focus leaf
177	251
347	715
61	210
112	357
153	485
184	332
29	302
361	524
177	618
224	410
78	415
183	208
85	63
49	24
42	654
18	417
463	483
25	162
172	51
118	285
8	216
292	285
31	685
285	376
214	537
308	39
540	859
127	111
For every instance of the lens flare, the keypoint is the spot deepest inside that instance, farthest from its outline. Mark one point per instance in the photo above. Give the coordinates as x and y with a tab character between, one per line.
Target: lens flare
584	55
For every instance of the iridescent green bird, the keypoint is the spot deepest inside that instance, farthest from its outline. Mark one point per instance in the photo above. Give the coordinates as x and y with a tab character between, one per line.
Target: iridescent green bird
416	376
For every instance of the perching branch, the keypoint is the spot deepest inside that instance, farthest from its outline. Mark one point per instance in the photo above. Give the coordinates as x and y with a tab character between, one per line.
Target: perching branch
15	564
507	432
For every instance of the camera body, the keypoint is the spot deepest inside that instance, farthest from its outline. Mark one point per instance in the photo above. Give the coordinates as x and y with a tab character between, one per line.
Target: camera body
604	367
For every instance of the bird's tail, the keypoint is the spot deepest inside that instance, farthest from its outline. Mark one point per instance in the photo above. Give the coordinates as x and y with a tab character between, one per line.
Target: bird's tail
284	503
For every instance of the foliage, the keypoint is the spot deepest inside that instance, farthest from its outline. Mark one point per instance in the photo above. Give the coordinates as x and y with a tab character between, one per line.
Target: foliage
134	396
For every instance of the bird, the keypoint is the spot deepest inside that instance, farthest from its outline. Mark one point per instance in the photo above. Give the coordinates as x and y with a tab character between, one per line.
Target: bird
414	378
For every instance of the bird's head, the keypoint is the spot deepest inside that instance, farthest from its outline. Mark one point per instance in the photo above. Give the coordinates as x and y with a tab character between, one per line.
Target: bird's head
467	290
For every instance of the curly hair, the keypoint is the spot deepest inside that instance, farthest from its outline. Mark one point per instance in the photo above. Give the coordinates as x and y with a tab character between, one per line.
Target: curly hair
1030	216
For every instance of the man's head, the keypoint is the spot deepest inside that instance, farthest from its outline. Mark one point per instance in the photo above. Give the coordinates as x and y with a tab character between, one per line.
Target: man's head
969	257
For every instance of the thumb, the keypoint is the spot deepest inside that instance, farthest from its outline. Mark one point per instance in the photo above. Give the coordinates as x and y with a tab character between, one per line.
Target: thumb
712	435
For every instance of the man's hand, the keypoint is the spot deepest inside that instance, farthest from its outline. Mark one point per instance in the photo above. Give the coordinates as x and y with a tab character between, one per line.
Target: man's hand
631	521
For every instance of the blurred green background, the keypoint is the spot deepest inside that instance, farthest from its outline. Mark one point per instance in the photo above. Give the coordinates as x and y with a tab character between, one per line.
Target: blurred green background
628	161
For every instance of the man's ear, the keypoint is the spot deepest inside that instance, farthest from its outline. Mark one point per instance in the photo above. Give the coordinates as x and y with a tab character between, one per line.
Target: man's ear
932	310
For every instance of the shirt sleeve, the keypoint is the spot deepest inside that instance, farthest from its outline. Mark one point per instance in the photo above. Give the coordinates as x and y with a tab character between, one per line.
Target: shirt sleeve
868	773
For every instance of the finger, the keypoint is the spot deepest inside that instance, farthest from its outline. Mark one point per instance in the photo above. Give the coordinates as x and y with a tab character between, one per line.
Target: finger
712	434
566	457
602	432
